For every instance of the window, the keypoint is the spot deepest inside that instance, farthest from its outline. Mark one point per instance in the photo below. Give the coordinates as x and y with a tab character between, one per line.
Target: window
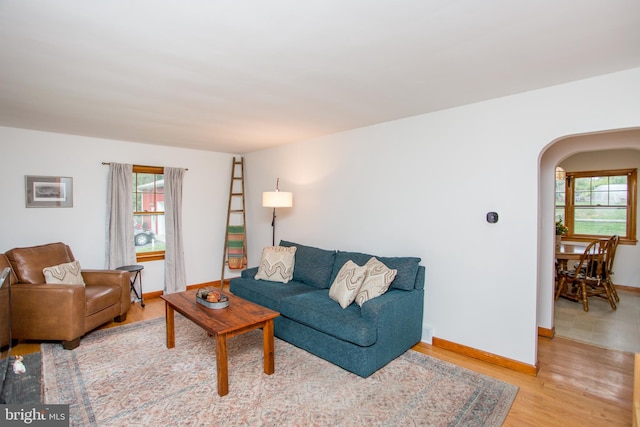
148	212
598	204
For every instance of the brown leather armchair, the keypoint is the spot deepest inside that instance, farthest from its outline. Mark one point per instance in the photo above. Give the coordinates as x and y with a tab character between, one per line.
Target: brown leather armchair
64	312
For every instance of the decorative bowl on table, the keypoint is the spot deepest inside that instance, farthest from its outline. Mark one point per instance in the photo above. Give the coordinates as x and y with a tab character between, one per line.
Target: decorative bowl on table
211	298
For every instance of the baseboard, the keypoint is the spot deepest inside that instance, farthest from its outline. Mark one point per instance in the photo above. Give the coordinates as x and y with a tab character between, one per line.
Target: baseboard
547	333
215	283
150	295
156	294
485	356
627	288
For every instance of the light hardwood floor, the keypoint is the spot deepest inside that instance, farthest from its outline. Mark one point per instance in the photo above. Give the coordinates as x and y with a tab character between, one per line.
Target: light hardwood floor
577	384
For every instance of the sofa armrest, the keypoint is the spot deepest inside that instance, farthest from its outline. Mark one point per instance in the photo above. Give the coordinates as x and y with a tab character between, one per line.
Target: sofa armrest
398	316
392	300
119	278
43	311
249	273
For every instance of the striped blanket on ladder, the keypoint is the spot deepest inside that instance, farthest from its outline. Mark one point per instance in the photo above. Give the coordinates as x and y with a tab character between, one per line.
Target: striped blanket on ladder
235	247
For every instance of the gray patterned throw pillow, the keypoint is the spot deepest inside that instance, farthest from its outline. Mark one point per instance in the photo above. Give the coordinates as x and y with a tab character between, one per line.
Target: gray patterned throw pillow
276	264
347	283
377	281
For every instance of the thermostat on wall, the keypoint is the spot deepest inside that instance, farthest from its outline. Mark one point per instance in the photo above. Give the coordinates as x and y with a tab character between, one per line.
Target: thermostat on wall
492	217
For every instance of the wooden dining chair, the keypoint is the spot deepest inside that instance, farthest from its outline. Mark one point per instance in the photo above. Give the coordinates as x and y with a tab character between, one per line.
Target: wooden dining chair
586	279
566	276
612	246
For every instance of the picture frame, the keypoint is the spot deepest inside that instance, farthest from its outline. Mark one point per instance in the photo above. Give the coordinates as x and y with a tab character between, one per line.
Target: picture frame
48	191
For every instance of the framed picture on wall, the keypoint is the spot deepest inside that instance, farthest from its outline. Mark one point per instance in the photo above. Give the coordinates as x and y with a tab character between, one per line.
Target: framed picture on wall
49	191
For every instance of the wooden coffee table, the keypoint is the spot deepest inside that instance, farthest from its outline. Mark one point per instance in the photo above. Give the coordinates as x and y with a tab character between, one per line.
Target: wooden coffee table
239	317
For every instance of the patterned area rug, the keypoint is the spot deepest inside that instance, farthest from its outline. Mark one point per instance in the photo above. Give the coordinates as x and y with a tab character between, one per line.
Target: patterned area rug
126	376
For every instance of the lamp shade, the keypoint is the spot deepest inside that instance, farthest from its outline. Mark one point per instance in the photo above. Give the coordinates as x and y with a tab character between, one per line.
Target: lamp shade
277	199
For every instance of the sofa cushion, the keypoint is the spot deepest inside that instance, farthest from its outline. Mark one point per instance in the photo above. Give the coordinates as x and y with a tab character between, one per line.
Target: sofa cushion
407	267
313	265
99	297
276	264
249	273
376	282
265	293
347	284
67	273
316	310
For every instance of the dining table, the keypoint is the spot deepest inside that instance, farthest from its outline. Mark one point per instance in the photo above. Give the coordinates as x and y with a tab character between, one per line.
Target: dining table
568	251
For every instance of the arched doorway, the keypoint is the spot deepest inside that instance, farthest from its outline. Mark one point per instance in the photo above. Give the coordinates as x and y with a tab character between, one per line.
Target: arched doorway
557	151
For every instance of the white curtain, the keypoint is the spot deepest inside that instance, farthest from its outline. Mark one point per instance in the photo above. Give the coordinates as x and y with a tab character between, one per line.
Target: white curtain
175	278
120	248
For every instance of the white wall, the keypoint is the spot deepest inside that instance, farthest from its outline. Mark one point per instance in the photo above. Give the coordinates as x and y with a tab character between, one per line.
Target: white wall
24	152
419	186
422	186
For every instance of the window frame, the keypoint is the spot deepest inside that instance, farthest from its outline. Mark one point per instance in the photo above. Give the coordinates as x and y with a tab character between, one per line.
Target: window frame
569	204
152	255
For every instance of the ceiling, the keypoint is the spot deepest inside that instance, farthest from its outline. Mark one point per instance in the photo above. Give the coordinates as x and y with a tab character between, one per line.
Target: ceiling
239	76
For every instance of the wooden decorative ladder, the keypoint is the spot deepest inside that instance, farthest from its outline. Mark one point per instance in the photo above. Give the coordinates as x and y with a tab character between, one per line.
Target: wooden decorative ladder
234	255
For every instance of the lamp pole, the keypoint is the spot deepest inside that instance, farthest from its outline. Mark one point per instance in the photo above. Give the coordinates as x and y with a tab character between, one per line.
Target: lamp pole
273	228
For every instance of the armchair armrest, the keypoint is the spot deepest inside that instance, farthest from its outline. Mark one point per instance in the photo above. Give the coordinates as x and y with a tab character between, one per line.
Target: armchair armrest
118	278
106	277
51	312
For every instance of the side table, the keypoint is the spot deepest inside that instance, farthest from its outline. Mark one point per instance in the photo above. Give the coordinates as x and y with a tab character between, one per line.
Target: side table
135	269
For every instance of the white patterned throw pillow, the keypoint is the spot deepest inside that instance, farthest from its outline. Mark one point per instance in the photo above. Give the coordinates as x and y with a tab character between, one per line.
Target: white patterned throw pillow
276	264
347	283
377	282
64	274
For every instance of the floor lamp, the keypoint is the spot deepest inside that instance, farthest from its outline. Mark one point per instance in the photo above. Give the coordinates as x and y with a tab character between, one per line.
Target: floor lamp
276	199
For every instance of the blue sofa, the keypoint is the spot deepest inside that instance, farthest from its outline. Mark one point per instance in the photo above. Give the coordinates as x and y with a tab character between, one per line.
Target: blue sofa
360	340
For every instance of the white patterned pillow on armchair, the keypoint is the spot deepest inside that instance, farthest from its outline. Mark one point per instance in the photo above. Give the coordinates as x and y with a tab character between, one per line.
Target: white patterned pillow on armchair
65	274
276	264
